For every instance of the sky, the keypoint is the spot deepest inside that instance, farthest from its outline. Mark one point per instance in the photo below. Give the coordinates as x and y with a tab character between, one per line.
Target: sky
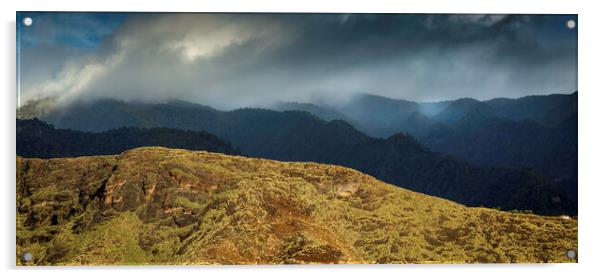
241	60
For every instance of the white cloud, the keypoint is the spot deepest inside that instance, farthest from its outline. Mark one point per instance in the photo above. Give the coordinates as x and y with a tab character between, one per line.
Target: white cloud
233	60
72	80
145	57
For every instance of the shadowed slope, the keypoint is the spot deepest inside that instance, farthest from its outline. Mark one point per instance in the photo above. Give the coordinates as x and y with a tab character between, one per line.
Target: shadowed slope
41	140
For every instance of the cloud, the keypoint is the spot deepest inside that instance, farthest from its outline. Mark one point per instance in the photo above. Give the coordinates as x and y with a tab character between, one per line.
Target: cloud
80	30
233	60
74	79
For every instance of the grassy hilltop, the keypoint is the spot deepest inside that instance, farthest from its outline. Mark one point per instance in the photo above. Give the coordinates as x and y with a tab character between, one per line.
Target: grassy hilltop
168	206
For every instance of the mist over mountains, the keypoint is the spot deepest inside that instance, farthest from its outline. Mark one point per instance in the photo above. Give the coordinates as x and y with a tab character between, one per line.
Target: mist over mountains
234	60
477	153
538	132
532	131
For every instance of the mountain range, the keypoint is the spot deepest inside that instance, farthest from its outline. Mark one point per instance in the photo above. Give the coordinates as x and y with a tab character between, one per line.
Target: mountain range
41	140
538	132
469	128
401	159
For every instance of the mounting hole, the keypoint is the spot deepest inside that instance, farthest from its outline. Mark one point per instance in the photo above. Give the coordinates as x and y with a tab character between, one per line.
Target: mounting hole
571	254
27	257
571	24
27	21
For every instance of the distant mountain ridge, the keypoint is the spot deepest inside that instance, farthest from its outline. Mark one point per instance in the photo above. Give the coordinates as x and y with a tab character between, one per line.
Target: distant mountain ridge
536	108
301	136
40	140
376	115
533	131
324	112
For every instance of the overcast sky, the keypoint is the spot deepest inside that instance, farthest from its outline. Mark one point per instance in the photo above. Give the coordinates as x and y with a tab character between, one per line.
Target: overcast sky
233	60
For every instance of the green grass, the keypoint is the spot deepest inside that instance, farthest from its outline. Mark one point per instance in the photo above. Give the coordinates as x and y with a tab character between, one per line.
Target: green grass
206	208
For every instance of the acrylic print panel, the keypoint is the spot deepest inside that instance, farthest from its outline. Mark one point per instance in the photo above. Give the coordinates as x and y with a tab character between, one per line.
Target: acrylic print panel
174	138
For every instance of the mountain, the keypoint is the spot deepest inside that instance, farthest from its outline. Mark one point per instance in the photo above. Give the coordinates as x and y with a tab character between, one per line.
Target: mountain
534	131
464	108
38	139
547	109
538	132
401	160
168	206
323	112
300	136
382	117
494	141
379	116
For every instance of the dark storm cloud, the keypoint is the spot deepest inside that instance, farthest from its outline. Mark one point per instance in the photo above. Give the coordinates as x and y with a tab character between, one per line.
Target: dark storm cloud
231	60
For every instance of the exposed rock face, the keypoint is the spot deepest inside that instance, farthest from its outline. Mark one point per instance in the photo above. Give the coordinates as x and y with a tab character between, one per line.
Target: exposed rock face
166	206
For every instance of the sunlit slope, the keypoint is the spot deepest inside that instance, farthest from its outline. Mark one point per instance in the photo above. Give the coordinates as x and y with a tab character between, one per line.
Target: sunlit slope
167	206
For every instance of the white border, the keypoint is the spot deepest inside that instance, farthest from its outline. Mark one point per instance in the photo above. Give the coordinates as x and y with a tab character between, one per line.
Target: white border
590	139
341	6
